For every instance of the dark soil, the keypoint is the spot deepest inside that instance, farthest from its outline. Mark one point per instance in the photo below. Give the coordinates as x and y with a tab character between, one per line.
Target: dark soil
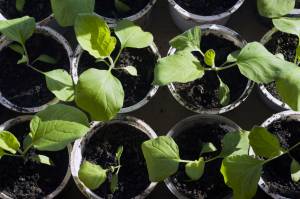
39	9
107	8
101	150
20	84
277	172
190	142
206	7
203	93
285	44
135	87
21	179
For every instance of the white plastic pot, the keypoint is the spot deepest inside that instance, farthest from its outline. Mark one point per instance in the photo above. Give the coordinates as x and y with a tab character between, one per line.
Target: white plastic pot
79	147
186	20
10	123
60	39
230	35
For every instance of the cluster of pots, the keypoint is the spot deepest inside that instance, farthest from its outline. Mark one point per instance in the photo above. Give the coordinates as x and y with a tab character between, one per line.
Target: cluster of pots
205	116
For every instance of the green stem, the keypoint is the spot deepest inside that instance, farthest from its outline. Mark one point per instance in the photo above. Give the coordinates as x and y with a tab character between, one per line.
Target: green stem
184	161
117	57
220	68
200	51
212	159
286	152
112	64
13	155
35	69
26	150
26	53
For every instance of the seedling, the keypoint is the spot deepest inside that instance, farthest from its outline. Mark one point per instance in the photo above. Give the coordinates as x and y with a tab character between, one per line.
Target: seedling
242	172
93	176
162	155
20	5
275	8
254	61
50	130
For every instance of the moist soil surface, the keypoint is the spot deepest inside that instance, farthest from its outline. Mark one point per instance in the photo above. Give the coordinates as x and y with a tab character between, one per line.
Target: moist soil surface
206	7
277	172
107	8
203	92
190	143
285	44
25	179
22	85
135	87
39	9
101	150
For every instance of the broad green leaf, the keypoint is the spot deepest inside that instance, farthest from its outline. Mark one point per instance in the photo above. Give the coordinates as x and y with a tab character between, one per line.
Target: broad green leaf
194	170
60	83
42	159
224	93
23	60
235	143
189	40
19	29
46	59
20	5
232	57
93	35
288	25
66	11
92	175
17	48
208	148
2	153
275	8
280	56
131	70
132	36
121	6
8	142
119	154
264	143
58	125
181	67
295	171
100	94
162	156
114	183
242	173
209	57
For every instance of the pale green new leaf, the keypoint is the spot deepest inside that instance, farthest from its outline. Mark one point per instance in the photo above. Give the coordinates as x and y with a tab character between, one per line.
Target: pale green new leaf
208	148
42	159
162	156
295	171
194	170
275	8
288	25
131	70
209	57
121	6
224	93
92	175
8	142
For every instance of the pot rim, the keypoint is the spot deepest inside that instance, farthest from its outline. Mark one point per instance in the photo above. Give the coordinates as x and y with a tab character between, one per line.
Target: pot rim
240	42
59	189
76	155
61	40
186	123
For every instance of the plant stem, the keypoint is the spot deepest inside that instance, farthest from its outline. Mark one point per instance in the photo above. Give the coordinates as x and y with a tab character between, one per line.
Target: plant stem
117	57
26	150
184	161
286	152
212	159
26	53
220	68
35	69
112	64
13	155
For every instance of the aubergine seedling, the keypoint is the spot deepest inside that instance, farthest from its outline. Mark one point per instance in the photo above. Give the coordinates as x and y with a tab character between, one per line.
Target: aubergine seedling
254	61
162	155
275	8
93	175
242	172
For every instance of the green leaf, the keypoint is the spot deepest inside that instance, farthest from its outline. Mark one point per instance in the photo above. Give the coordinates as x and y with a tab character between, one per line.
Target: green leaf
264	143
20	5
275	8
162	156
19	29
242	173
100	94
232	57
119	154
181	67
114	183
58	125
131	70
46	59
208	148
209	57
23	60
92	175
297	58
288	25
66	11
189	40
295	171
8	142
132	36
27	141
17	48
2	153
42	159
121	6
280	56
60	83
224	93
235	143
194	170
93	35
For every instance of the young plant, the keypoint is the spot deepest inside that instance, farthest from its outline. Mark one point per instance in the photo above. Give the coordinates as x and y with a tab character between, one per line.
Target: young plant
50	130
93	176
275	8
162	155
254	61
242	172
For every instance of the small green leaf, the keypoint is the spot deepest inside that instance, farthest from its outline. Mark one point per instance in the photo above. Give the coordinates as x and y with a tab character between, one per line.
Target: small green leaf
288	25
275	8
17	48
209	57
264	143
232	57
295	171
23	60
162	156
121	6
42	159
132	36
224	93
114	183
119	154
242	173
8	142
194	170
181	67
92	175
100	94
60	83
46	59
20	5
131	70
208	148
27	141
